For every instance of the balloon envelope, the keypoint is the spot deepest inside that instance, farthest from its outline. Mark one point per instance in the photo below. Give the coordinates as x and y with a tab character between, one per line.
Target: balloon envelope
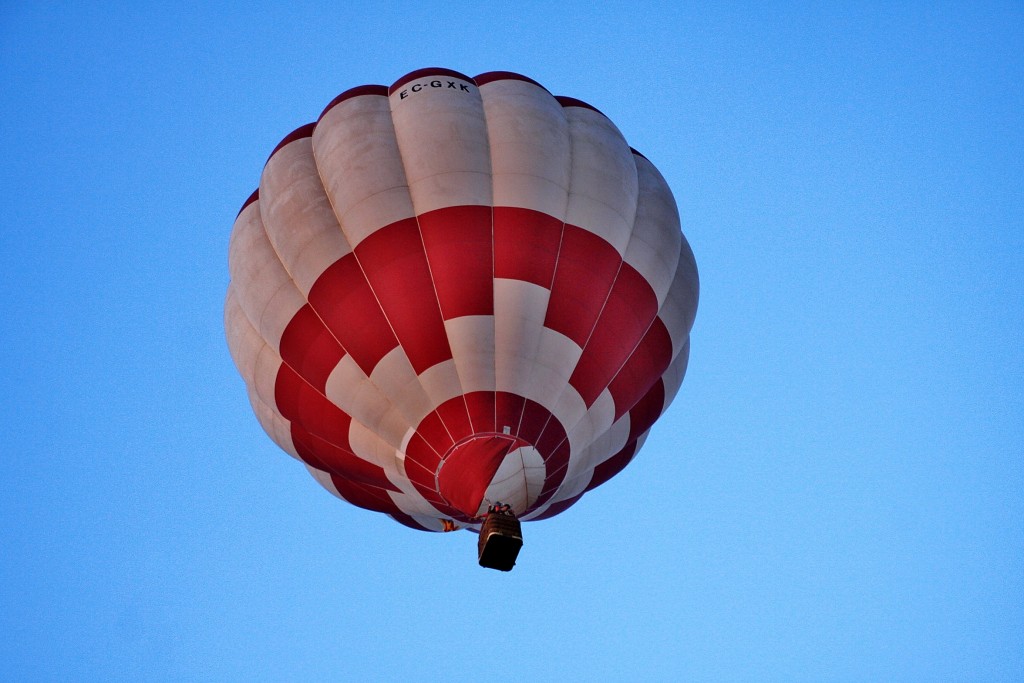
457	291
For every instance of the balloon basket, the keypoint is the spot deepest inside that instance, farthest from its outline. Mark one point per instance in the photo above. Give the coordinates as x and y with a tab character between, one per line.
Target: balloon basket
501	537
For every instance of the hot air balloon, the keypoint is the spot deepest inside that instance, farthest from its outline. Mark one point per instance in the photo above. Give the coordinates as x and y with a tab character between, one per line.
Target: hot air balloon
461	302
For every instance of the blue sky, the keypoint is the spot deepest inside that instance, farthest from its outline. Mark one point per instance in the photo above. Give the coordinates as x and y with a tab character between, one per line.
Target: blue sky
837	493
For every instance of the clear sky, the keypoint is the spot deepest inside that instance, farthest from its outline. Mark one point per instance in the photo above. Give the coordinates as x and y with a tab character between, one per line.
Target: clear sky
837	493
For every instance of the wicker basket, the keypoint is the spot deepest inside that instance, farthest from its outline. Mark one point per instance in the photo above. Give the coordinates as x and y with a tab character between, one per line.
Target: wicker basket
501	537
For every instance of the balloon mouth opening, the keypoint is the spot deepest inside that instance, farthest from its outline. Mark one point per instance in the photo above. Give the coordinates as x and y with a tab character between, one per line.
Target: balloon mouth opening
467	468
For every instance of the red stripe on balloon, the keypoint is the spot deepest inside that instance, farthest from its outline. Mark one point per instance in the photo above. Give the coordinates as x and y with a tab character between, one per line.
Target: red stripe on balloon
366	497
628	312
612	466
556	465
481	407
559	507
421	459
643	369
573	102
319	430
525	245
433	431
339	462
492	76
309	348
535	418
435	436
586	270
300	403
344	301
252	198
551	438
508	412
396	267
358	91
304	131
647	410
408	521
459	249
421	464
455	416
